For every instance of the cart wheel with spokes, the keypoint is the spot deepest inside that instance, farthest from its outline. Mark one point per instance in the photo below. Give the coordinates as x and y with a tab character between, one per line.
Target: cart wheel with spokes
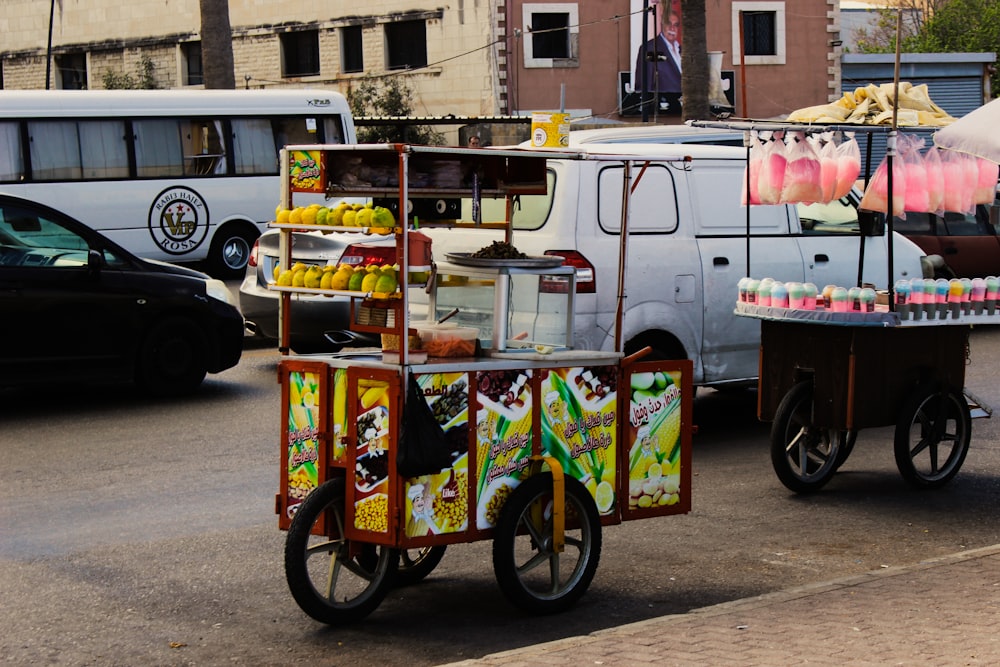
530	572
415	564
932	436
332	580
805	456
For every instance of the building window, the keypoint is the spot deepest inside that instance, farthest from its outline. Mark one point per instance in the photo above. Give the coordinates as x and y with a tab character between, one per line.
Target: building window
352	54
763	25
405	45
71	71
300	53
551	34
193	75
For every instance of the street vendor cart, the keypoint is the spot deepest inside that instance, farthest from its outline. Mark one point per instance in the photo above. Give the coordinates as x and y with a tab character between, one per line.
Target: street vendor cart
452	434
836	362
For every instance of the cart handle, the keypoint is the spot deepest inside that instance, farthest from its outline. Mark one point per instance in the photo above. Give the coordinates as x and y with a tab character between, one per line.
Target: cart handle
637	355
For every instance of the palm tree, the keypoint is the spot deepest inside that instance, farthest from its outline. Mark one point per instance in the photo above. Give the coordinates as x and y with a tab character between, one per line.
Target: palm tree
694	61
217	44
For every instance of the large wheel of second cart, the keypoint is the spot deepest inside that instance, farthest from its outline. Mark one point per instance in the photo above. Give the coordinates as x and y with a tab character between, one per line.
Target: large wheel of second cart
530	572
804	456
932	436
332	580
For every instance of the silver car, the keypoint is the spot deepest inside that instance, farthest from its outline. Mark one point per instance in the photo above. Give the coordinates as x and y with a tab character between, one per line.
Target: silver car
318	323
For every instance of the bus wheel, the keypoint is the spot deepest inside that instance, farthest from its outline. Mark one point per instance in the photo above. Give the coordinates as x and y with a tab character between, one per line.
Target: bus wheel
230	251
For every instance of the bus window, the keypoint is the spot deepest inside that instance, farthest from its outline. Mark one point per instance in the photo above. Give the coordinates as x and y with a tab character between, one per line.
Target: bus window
333	131
103	151
70	150
11	163
292	131
253	147
203	149
158	148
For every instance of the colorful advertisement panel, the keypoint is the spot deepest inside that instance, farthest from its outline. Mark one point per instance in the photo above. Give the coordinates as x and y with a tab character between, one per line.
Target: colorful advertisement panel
656	439
302	444
438	504
503	439
579	426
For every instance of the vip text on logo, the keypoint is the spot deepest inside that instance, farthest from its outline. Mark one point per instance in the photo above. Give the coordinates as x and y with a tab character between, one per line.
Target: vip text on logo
178	220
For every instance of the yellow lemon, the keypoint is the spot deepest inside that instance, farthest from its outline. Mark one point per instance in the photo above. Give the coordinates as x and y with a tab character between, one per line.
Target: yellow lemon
283	215
309	216
299	278
364	217
295	217
341	279
350	218
326	282
604	496
313	276
368	282
285	278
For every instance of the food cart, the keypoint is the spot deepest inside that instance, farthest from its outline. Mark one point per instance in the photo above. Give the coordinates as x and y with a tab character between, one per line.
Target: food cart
441	437
826	371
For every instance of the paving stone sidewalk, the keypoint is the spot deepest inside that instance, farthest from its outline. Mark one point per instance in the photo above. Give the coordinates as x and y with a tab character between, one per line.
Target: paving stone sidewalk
944	611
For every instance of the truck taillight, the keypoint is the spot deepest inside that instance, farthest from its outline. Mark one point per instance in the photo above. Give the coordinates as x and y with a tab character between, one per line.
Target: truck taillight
363	254
586	280
252	262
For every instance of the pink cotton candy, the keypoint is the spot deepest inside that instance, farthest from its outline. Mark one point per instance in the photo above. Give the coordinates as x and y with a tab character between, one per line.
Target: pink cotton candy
803	174
916	185
986	183
954	176
752	172
772	175
935	181
848	166
828	166
876	196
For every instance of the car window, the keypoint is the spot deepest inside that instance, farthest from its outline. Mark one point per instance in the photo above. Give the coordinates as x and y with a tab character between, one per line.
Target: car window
835	217
959	224
528	212
30	239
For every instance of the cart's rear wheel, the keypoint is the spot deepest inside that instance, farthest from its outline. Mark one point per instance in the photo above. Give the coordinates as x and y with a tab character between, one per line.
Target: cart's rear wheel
329	580
804	456
415	564
530	572
932	436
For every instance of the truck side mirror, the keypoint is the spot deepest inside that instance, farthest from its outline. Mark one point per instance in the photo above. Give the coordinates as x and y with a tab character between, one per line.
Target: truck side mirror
871	223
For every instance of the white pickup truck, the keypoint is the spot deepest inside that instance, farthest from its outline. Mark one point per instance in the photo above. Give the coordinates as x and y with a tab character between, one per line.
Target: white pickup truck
688	248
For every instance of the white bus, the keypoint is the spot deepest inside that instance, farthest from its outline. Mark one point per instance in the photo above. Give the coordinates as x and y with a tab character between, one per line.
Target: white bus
175	175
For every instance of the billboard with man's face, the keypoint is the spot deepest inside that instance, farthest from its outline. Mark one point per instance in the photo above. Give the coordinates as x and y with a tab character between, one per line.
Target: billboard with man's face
655	77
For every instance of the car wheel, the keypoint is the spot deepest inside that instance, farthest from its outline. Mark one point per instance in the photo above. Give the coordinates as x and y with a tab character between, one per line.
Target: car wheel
173	357
230	251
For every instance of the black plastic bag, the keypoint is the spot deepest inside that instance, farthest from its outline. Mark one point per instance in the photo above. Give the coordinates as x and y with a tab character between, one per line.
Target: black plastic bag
423	449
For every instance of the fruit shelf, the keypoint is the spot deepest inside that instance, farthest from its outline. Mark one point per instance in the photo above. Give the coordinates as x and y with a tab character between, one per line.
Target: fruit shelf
382	231
377	296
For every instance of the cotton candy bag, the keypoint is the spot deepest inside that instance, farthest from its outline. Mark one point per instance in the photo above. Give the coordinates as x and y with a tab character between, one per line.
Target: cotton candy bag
876	195
916	199
848	165
772	172
751	174
986	182
803	173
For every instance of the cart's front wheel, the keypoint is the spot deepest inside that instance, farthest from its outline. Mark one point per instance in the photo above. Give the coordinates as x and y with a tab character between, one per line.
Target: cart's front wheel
531	573
932	436
804	456
331	579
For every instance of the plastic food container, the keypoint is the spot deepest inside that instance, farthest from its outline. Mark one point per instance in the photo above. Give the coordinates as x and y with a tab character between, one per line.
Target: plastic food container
448	340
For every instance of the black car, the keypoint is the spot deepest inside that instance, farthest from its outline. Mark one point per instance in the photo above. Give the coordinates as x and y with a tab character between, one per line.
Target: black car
78	308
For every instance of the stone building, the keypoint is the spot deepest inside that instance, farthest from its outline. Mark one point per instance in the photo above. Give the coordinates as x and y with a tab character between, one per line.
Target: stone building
469	58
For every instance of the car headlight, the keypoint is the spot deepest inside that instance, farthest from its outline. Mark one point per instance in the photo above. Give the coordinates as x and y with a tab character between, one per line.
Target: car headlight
218	290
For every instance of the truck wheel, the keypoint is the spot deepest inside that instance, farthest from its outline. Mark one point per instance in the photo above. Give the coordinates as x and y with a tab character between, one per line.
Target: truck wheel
531	574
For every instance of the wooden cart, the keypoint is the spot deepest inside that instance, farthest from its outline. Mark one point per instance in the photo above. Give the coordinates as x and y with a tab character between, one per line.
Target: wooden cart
546	444
823	379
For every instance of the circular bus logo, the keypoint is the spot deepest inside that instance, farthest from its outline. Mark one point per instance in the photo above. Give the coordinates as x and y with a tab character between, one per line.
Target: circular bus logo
178	220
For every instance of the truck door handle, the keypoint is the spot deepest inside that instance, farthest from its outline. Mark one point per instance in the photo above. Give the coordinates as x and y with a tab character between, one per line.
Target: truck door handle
720	261
821	258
